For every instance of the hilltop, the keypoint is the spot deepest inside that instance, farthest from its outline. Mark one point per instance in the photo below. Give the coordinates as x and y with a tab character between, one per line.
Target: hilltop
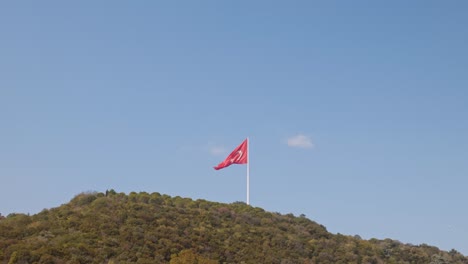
153	228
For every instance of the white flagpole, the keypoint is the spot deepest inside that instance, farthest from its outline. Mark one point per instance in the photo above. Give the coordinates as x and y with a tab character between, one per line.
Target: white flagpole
248	170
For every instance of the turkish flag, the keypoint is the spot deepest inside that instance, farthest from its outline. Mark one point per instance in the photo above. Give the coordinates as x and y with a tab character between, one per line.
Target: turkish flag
238	156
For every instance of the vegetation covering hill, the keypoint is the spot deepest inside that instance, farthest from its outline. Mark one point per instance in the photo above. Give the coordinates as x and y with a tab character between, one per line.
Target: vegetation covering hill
154	228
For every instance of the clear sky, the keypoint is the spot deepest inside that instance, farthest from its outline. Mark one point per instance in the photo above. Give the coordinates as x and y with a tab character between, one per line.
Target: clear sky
356	110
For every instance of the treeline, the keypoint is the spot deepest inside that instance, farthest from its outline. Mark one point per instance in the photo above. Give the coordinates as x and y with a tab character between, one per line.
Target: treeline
153	228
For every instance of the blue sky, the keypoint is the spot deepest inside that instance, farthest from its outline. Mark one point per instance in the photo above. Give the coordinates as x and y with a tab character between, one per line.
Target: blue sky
356	111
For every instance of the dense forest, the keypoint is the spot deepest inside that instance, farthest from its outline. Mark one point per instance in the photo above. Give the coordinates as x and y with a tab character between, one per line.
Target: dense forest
153	228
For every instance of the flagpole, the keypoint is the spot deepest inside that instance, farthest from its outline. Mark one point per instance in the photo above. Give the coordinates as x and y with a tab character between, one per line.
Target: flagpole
248	170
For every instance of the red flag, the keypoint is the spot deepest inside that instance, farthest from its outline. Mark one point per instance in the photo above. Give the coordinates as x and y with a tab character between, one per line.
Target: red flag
238	156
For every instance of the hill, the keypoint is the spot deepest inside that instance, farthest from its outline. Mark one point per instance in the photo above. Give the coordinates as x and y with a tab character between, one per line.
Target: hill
154	228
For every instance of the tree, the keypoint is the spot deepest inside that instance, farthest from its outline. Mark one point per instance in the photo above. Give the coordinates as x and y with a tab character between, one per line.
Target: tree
187	256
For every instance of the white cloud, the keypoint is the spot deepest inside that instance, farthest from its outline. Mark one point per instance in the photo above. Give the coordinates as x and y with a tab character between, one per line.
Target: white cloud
217	150
300	141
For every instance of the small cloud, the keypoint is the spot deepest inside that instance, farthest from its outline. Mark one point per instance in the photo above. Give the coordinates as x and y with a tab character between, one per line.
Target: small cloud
300	141
217	150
